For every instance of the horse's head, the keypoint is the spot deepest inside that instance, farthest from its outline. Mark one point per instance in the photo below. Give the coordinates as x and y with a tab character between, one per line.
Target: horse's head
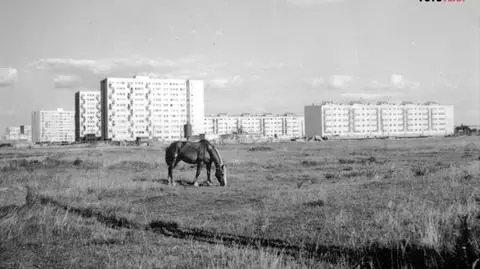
221	174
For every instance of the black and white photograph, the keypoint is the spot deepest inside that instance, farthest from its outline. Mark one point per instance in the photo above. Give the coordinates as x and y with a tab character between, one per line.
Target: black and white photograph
238	134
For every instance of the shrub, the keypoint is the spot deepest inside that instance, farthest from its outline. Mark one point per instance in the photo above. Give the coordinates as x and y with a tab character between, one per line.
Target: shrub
135	165
316	203
331	176
77	162
420	170
308	163
260	148
353	174
371	159
346	161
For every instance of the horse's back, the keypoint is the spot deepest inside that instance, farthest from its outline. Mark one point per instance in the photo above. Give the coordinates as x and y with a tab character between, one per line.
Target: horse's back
187	151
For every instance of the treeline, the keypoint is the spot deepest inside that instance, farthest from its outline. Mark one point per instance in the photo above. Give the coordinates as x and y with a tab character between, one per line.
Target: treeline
466	130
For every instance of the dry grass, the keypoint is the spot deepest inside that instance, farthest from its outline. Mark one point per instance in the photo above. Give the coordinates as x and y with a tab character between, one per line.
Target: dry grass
339	196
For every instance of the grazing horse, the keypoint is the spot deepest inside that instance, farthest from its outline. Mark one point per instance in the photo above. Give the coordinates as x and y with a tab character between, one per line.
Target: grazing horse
199	153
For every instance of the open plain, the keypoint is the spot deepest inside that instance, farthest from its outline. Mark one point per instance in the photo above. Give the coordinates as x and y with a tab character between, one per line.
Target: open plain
333	204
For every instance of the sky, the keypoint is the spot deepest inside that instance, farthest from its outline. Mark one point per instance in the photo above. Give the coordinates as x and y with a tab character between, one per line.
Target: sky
254	55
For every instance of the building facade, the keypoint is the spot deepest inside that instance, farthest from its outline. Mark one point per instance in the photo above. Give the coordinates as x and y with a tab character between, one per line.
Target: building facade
53	126
148	107
87	114
378	120
267	125
22	132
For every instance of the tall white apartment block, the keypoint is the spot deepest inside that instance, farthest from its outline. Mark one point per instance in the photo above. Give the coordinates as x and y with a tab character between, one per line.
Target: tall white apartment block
87	114
378	120
268	125
146	107
53	126
196	105
22	132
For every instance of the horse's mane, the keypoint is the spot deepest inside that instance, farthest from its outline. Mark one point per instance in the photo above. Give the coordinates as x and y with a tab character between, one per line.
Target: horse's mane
214	149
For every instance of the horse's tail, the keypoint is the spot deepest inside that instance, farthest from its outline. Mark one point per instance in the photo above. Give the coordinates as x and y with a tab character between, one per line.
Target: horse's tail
171	153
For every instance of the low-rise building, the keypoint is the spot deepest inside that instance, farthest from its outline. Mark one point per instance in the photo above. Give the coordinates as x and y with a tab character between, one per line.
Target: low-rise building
266	124
382	119
21	132
53	126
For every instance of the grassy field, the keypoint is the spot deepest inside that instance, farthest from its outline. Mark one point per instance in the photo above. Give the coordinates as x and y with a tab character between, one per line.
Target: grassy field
334	204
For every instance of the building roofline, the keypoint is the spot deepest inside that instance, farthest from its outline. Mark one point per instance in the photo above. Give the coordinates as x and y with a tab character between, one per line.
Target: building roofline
286	114
380	102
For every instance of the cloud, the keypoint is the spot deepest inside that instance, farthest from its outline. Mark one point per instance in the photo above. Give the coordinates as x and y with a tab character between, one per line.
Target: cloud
7	112
217	83
400	82
307	3
8	76
219	32
58	64
103	66
190	67
368	96
340	81
66	81
376	86
237	79
317	82
225	84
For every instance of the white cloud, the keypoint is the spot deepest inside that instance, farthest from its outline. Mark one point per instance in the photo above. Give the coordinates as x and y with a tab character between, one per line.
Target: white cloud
58	64
317	82
217	83
376	85
307	3
103	66
225	84
237	79
340	81
219	32
8	76
7	111
190	67
400	82
66	81
368	96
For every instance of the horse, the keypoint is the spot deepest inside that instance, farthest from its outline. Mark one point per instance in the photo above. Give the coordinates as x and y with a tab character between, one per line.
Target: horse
200	152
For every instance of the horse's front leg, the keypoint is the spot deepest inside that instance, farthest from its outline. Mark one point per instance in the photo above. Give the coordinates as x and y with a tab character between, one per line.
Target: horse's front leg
209	167
199	168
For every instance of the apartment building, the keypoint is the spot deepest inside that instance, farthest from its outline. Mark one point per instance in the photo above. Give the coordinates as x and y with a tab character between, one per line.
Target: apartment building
382	119
52	126
221	123
146	107
87	114
22	132
268	125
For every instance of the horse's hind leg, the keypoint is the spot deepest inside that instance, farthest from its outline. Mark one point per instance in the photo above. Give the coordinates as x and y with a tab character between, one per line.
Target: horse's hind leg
199	168
170	175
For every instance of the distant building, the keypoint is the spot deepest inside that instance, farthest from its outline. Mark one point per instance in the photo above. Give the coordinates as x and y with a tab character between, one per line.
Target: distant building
268	125
152	108
53	126
87	114
378	120
221	124
22	132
